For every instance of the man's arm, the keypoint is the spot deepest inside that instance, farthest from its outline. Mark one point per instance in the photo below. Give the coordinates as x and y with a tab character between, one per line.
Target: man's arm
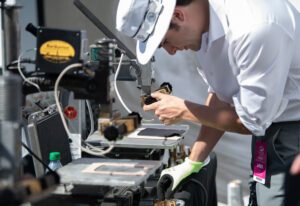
208	136
218	114
207	139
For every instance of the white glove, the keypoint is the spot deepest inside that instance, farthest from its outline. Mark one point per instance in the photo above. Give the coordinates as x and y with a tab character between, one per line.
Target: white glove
174	175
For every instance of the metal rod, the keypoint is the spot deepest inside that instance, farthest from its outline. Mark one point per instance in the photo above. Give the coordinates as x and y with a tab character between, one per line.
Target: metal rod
3	66
102	27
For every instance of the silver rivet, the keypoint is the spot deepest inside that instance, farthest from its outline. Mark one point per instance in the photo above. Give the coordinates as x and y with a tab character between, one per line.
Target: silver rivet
151	16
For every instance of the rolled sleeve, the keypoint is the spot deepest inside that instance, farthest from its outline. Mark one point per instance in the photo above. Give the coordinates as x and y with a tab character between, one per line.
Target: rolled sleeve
252	123
262	57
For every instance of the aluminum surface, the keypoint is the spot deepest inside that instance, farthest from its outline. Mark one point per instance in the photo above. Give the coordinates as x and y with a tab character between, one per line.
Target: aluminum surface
133	140
108	172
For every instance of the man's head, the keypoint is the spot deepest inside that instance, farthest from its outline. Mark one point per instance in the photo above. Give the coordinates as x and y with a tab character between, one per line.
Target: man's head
173	25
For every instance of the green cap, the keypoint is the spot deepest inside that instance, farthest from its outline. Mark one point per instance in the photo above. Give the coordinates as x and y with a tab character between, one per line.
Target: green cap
54	156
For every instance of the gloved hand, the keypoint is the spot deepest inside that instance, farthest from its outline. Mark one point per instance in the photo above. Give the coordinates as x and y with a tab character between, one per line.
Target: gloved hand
171	177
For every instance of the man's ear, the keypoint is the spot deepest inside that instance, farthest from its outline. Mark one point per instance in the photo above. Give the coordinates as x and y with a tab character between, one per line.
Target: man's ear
178	15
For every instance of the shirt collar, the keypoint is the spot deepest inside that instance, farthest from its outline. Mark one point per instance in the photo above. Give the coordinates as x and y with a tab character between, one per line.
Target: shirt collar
218	24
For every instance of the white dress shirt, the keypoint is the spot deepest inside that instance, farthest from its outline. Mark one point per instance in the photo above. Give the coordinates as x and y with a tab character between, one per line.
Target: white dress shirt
251	59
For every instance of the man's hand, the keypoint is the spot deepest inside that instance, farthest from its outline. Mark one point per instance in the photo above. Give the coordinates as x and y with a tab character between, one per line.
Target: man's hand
295	168
169	109
171	177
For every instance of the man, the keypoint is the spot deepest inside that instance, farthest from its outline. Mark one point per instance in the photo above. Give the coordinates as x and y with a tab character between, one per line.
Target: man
249	53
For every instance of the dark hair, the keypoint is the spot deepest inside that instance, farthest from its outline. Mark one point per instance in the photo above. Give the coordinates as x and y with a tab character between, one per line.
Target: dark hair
179	3
183	2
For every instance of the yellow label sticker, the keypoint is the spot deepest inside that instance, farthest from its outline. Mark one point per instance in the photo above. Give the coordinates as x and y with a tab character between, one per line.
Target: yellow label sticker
57	51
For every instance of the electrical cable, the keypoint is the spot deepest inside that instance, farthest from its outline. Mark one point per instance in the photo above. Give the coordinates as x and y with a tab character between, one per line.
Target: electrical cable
92	147
115	85
92	127
203	189
98	152
23	60
30	151
117	91
21	73
36	157
88	104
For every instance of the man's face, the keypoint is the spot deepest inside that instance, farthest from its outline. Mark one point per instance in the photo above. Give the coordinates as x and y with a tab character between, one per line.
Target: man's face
182	38
186	29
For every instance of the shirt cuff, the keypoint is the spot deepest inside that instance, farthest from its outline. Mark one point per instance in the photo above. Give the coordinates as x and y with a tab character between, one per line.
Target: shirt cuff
250	122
